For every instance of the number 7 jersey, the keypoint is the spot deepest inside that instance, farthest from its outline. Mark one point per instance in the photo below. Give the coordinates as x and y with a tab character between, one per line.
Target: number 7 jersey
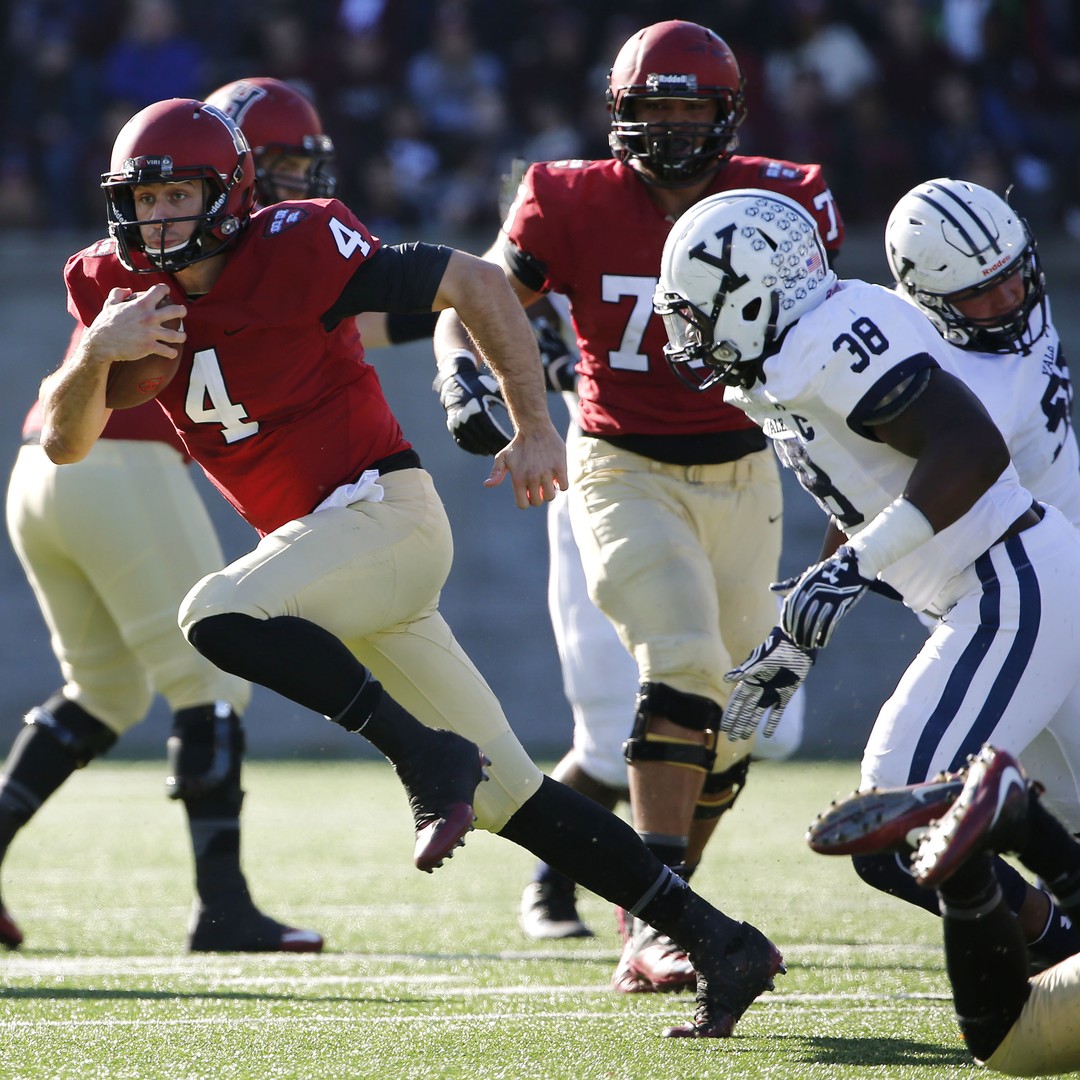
597	236
278	410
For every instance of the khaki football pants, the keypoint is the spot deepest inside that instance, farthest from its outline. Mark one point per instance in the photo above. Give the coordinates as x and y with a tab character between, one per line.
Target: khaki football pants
110	545
371	574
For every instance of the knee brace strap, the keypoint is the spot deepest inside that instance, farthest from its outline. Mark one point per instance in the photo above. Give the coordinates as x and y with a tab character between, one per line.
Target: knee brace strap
690	711
205	750
83	736
720	790
687	710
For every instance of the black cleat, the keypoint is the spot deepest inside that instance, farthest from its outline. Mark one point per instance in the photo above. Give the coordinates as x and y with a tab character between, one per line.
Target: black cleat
548	912
247	930
440	780
729	978
10	934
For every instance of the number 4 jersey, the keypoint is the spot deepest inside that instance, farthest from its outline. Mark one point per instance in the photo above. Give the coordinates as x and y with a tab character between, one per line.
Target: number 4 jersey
278	410
858	357
589	230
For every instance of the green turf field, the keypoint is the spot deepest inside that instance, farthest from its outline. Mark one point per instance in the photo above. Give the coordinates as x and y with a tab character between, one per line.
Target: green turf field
429	976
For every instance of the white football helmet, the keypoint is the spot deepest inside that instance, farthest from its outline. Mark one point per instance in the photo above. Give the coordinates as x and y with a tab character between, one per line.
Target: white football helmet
947	237
738	270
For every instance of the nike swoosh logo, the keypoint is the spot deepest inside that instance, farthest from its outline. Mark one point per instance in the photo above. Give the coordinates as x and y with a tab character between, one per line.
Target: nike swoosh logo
773	518
1011	779
229	333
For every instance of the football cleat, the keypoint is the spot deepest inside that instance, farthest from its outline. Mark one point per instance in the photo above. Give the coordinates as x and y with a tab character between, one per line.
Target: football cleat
727	984
883	819
247	930
440	780
10	934
990	814
548	912
651	963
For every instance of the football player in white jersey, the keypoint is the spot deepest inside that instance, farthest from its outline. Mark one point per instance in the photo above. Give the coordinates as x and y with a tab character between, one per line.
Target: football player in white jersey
863	400
965	257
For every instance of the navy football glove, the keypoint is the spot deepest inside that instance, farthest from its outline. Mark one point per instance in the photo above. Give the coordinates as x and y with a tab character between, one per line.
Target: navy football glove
767	680
558	363
821	597
475	411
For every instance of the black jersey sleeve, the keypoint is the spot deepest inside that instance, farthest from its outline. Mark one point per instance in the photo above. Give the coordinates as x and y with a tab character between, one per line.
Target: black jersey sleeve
397	278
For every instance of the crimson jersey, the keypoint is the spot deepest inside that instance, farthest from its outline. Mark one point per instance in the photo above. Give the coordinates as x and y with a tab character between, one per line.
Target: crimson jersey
277	410
599	237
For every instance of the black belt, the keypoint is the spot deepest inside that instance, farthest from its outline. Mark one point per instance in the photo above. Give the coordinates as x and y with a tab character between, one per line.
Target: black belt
403	459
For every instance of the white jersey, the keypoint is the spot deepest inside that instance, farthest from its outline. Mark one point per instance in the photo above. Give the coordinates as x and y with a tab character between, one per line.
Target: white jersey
815	406
1029	397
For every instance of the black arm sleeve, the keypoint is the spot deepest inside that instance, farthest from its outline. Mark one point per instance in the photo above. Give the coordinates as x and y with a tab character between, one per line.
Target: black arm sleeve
400	278
402	327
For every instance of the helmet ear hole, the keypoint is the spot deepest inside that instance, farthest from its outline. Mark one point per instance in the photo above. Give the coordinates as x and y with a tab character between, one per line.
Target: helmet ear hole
751	311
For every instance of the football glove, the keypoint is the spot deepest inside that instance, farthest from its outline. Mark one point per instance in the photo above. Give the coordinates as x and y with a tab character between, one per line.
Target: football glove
558	363
821	597
767	680
476	413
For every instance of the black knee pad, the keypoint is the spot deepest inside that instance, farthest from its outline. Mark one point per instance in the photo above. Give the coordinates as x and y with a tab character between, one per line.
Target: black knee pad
83	736
205	751
691	711
720	790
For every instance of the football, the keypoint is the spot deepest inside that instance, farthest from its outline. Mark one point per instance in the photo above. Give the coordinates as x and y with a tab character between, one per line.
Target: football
133	382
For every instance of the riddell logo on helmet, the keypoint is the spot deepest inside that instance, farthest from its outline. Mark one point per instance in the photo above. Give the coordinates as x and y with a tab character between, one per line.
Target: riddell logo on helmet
670	85
994	267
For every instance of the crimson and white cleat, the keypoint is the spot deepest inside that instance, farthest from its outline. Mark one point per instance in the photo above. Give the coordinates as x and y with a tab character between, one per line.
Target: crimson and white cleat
883	819
652	963
728	983
248	930
990	814
440	778
10	934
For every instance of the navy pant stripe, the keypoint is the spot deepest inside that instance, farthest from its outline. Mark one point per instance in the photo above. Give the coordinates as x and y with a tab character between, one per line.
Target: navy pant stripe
962	675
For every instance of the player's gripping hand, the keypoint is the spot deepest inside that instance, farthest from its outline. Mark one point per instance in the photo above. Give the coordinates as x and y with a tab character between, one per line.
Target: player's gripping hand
821	597
476	413
558	363
767	680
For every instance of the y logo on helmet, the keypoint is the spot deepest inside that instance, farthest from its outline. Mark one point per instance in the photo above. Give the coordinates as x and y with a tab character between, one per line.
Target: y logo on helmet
722	262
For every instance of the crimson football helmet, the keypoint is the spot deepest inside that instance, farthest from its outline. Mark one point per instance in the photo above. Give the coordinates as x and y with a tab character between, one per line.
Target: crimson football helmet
170	142
951	239
280	122
675	59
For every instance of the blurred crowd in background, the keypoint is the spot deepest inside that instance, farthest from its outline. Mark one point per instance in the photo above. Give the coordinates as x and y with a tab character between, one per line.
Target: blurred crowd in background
430	101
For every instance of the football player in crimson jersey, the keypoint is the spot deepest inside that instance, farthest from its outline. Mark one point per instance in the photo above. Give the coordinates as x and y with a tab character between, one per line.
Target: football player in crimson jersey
337	607
675	499
131	615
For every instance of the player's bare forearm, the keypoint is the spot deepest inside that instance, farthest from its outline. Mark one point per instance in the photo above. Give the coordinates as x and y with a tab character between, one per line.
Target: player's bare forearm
73	405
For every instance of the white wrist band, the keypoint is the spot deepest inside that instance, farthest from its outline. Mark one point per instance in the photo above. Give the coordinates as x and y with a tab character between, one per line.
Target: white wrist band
897	531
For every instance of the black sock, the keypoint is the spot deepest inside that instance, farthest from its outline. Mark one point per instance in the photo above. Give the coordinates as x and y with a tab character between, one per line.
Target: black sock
307	664
36	766
985	955
1053	853
587	843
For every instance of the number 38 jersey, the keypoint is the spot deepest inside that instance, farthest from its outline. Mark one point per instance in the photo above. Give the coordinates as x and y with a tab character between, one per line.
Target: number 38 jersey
863	347
278	410
591	229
